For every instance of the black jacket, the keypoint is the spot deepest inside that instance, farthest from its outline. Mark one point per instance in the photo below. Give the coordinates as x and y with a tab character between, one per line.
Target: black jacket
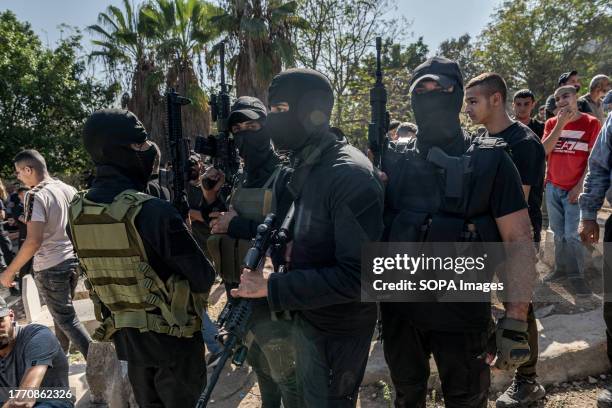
170	249
339	207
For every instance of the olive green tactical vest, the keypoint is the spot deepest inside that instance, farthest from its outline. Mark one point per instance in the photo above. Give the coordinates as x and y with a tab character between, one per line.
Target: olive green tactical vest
251	203
119	277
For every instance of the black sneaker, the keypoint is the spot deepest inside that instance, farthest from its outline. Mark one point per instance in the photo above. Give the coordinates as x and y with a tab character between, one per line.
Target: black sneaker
521	393
580	287
604	399
555	276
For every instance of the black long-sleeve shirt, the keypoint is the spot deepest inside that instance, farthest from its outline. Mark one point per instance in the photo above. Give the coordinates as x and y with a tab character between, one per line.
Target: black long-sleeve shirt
339	208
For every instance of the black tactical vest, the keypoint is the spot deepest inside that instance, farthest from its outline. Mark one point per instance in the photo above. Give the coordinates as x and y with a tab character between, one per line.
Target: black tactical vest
442	198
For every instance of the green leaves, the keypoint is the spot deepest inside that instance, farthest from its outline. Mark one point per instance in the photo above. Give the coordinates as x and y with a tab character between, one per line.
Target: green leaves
259	34
530	42
45	97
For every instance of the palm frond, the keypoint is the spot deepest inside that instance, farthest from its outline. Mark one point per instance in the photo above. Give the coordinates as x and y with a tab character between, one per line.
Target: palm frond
119	17
105	19
225	22
99	30
255	27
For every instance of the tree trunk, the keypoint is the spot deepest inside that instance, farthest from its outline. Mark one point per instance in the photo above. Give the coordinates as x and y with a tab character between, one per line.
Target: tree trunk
257	63
252	80
146	103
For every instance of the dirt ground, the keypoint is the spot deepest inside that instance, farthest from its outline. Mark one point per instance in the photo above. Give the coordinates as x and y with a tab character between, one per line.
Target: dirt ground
238	389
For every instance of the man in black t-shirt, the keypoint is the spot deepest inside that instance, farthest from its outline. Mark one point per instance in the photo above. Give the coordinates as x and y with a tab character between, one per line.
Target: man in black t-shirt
523	103
486	101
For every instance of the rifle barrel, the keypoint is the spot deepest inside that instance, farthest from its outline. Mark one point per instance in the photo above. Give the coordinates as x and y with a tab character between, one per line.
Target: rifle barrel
378	63
214	377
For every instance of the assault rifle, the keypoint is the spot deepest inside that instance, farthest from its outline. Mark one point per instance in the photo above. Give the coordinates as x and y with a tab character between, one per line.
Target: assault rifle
379	125
221	148
179	151
234	318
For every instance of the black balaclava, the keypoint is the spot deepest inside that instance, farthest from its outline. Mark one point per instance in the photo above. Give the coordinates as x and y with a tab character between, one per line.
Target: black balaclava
310	98
253	146
437	113
107	136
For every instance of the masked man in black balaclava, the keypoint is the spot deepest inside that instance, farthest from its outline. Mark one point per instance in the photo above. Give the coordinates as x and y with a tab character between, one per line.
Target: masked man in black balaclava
446	190
149	276
338	207
233	224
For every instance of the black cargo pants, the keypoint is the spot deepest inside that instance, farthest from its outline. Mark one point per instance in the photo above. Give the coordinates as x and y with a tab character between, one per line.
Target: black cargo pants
329	367
176	385
463	371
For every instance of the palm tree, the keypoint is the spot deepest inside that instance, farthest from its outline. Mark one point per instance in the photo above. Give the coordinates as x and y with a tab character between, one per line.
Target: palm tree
126	54
260	33
179	31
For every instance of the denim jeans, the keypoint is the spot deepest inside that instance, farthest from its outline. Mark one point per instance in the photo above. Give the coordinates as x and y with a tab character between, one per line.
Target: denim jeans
56	285
564	218
6	249
209	332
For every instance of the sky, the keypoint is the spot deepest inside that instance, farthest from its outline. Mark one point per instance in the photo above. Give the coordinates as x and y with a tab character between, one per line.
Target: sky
435	20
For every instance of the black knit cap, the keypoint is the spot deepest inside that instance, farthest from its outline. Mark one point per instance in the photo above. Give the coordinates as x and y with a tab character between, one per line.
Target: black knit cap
108	128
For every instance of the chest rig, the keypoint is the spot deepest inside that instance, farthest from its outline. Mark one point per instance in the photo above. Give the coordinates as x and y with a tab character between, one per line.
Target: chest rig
253	204
443	198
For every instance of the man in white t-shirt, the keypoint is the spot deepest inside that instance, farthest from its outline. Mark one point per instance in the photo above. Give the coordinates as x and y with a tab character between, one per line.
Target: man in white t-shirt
55	264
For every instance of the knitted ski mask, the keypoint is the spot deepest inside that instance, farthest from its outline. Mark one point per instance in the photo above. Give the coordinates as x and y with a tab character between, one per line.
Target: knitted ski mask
310	98
437	112
107	136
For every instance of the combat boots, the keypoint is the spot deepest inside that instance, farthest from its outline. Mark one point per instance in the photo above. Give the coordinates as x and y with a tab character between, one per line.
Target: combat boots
522	392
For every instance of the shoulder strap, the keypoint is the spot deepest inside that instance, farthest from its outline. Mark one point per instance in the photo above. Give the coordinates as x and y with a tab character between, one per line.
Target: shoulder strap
125	201
272	178
303	165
